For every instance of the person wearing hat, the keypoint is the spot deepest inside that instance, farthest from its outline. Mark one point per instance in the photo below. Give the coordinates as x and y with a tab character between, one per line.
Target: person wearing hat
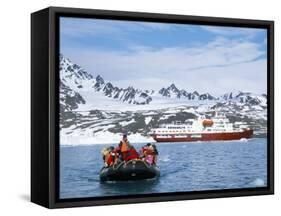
124	144
127	151
123	147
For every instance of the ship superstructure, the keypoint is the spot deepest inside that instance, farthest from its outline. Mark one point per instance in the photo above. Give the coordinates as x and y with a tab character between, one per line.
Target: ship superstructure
202	129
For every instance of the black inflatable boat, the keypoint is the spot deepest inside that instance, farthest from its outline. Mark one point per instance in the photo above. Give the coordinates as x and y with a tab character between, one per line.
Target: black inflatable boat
130	170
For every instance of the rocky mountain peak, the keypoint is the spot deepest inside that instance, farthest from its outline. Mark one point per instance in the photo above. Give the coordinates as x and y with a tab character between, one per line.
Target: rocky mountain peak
99	79
75	78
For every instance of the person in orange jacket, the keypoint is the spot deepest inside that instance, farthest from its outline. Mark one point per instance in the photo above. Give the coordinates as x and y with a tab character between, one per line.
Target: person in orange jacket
127	151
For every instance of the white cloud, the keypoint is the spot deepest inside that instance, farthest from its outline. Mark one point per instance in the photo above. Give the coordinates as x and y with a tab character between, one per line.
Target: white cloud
82	27
233	31
219	66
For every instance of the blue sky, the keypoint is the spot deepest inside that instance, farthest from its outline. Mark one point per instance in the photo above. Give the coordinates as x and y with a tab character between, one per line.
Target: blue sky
154	55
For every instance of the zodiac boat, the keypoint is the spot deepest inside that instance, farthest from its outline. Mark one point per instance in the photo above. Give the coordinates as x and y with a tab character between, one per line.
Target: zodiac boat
129	170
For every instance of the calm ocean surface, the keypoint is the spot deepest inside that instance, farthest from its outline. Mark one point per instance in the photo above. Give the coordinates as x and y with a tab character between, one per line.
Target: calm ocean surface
190	166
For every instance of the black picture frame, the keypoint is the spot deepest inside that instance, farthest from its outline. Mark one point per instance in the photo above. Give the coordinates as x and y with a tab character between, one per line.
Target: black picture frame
45	106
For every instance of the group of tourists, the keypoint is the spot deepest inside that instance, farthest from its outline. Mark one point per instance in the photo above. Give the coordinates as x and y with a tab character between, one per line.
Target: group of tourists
126	152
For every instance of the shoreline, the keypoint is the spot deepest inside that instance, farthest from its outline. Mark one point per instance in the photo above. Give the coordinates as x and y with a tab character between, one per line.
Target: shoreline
163	143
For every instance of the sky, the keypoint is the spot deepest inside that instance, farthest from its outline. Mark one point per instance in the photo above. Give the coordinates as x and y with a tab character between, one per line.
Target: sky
150	55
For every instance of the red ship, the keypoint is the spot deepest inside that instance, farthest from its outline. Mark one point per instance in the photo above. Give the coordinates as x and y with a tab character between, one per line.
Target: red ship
202	129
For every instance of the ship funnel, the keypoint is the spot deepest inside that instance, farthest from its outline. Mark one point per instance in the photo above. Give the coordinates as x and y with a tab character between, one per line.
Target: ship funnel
207	122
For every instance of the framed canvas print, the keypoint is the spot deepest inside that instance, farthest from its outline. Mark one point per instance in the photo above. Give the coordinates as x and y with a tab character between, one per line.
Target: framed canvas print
138	107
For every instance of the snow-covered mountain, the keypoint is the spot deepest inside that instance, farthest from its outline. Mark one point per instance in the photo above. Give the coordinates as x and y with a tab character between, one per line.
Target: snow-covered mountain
77	79
173	92
89	89
245	97
99	111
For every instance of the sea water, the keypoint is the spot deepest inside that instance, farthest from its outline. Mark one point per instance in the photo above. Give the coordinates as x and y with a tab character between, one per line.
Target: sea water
192	166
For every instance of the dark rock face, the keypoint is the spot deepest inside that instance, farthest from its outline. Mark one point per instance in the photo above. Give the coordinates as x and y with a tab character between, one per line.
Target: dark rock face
99	83
173	92
69	99
206	96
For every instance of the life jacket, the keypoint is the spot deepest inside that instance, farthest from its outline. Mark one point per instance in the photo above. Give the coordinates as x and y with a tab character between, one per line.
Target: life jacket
143	150
149	151
109	159
124	146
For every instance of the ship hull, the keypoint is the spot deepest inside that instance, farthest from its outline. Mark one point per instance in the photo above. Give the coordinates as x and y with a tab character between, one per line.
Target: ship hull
192	137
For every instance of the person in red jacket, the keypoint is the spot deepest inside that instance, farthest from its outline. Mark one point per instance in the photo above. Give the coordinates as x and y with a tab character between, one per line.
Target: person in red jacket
109	160
108	156
131	154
